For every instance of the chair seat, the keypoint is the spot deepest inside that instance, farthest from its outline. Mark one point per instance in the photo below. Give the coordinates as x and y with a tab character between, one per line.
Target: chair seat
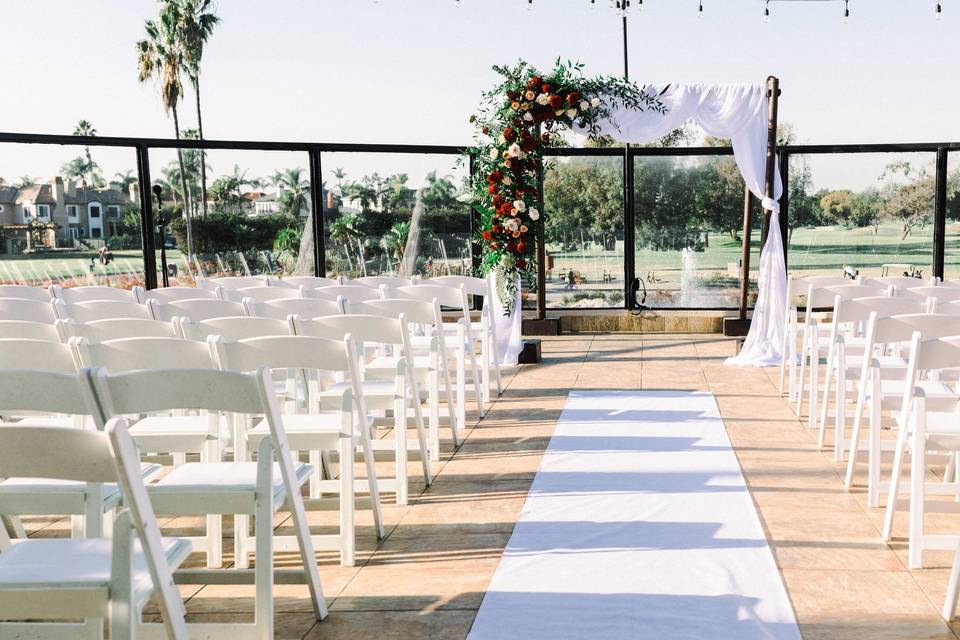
200	488
39	564
46	496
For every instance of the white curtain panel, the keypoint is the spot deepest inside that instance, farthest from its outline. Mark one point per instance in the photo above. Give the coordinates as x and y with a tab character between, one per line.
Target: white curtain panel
737	112
508	327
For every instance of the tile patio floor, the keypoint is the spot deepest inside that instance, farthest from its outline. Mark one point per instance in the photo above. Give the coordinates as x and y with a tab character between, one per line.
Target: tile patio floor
427	579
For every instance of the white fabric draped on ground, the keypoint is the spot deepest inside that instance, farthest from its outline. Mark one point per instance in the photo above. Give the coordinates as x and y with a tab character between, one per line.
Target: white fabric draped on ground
638	525
737	112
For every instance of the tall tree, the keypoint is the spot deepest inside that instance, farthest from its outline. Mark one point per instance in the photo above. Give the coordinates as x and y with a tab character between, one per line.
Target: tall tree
160	57
339	174
195	22
85	128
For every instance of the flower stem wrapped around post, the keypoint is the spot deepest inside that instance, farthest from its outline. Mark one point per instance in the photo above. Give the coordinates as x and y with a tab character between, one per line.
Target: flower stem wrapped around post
517	121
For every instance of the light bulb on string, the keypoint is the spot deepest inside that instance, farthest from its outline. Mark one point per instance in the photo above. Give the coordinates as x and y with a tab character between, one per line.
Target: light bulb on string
846	11
639	5
529	5
938	12
700	10
766	12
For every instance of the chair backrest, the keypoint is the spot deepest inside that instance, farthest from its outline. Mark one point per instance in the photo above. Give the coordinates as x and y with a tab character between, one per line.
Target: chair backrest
310	282
931	325
231	282
940	294
825	297
377	281
25	292
451	297
29	310
859	309
260	293
282	352
416	311
197	310
174	294
39	355
352	293
116	329
930	354
303	307
44	391
101	310
73	295
29	330
234	328
138	354
365	329
473	286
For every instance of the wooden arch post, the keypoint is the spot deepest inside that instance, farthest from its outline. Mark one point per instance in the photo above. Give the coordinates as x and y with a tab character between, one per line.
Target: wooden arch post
740	325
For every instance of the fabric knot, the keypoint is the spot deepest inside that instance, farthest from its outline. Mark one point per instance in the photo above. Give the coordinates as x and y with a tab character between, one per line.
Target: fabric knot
770	204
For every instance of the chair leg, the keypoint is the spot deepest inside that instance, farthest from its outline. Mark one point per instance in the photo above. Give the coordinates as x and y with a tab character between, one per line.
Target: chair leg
840	429
215	541
263	571
894	489
495	350
241	540
14	526
814	382
316	476
874	456
855	434
802	374
400	443
485	365
433	400
953	588
917	485
347	503
461	388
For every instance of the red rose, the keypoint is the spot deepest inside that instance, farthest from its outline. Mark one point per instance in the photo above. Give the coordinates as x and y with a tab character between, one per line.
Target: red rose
573	98
545	138
521	263
492	189
556	101
546	88
512	95
497	200
488	235
521	247
535	81
528	145
509	134
517	122
495	176
486	131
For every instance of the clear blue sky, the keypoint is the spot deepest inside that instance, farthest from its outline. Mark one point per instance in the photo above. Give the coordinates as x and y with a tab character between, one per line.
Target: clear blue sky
411	71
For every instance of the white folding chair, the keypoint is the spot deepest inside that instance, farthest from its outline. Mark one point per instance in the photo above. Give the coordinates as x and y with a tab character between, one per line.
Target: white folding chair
73	295
484	331
881	385
260	293
26	329
351	293
173	294
920	429
940	294
232	282
233	328
115	329
196	309
28	310
310	282
25	292
100	310
303	307
58	580
391	282
430	357
463	340
398	391
240	488
316	431
900	282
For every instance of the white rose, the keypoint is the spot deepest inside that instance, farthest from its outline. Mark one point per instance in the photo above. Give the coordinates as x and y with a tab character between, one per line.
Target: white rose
529	95
514	150
543	99
595	102
571	113
528	116
494	153
584	105
507	181
501	139
520	205
534	214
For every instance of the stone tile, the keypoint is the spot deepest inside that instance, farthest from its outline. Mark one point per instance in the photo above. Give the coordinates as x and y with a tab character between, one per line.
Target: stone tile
394	625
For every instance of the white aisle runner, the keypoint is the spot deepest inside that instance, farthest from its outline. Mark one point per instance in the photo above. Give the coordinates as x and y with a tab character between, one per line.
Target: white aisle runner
638	525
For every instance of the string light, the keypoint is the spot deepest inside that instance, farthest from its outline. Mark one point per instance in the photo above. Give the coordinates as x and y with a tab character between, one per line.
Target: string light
766	12
938	11
700	10
846	11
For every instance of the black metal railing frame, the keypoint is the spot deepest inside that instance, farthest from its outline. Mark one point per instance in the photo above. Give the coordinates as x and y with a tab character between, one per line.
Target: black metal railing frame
314	150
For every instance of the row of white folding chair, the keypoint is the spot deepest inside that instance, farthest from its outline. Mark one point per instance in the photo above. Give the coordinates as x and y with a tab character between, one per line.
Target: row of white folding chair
47	584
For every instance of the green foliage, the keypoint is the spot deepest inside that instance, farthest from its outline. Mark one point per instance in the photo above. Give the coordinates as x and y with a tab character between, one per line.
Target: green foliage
223	232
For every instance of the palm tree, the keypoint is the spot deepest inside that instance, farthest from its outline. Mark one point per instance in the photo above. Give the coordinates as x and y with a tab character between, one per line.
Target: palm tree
122	181
339	174
27	181
195	23
160	56
85	128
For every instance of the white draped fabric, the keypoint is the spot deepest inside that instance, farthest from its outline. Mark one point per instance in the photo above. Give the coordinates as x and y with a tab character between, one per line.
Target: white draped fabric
737	112
508	328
